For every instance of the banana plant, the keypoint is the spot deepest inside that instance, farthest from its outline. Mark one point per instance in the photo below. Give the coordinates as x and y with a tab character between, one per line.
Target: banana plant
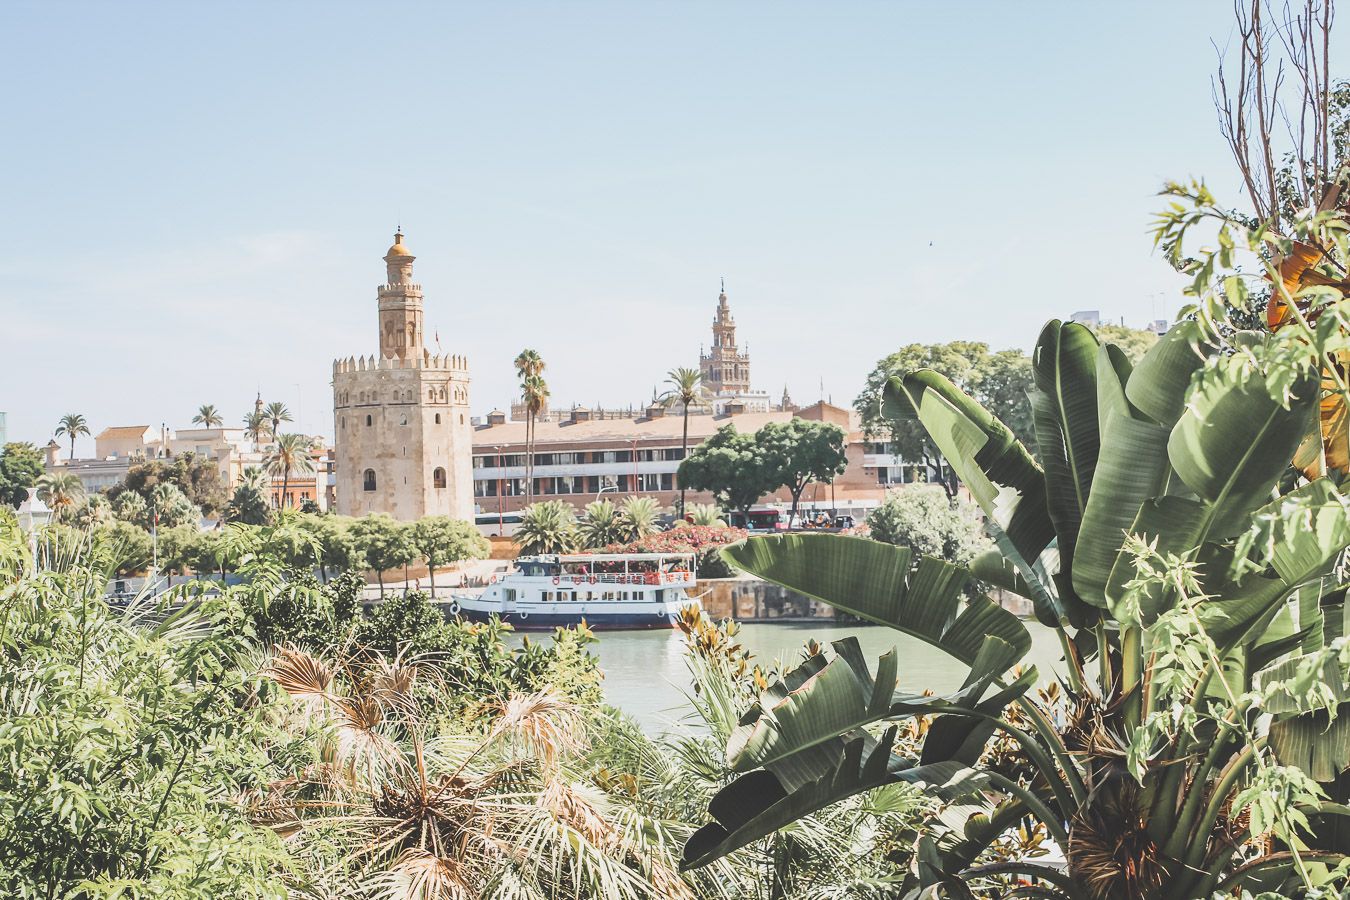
1191	576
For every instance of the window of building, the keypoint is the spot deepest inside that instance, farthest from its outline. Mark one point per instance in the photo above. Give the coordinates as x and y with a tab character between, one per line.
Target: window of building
438	418
668	481
369	421
368	482
403	419
674	453
438	477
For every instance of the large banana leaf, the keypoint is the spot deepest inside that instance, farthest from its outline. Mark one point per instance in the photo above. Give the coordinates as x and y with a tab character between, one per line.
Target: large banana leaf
1157	386
878	582
802	723
756	805
1235	440
1132	468
1064	408
994	466
1314	742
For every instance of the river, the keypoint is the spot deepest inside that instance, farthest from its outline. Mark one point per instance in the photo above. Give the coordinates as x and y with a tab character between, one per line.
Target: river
645	674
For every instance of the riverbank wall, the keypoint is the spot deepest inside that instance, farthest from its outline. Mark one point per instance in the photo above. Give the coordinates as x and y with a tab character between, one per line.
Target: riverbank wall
753	600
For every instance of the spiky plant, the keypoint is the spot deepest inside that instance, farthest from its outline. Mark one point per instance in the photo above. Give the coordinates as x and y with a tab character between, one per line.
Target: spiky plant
547	527
61	491
638	515
706	515
601	525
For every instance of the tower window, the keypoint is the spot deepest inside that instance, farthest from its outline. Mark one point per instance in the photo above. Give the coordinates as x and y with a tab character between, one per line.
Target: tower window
368	482
438	478
438	418
403	420
369	421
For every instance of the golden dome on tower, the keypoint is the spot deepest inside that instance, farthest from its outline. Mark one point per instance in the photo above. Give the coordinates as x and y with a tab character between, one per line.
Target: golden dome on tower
399	248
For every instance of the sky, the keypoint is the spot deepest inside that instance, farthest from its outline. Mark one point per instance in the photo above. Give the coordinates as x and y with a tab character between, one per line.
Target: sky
197	196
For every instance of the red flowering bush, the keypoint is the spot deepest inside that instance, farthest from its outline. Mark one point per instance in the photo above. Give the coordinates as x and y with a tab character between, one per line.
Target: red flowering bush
705	540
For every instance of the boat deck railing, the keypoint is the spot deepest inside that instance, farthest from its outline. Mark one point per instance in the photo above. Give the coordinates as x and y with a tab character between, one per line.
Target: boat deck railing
656	579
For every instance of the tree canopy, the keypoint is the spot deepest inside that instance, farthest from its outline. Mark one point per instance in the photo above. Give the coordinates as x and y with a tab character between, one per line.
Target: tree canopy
998	380
728	465
20	468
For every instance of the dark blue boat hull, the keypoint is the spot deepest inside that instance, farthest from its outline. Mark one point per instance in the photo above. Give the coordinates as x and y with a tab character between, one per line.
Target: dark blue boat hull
547	622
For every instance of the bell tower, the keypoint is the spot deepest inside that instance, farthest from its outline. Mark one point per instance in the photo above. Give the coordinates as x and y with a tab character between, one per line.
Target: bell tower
726	370
400	305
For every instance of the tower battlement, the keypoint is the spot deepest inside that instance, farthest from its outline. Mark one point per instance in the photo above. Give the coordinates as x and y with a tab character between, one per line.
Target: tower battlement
449	362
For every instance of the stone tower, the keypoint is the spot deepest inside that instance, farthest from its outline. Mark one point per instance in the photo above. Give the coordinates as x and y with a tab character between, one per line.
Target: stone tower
725	369
401	417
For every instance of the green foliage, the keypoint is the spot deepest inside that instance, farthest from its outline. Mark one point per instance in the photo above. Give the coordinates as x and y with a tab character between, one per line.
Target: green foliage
1168	540
443	541
20	468
998	381
384	543
249	504
731	466
128	546
798	452
124	746
547	527
157	497
303	612
1133	342
706	515
638	515
600	525
63	492
924	519
473	660
196	477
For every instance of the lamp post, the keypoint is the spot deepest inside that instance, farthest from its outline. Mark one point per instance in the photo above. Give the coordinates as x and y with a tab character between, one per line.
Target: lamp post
501	527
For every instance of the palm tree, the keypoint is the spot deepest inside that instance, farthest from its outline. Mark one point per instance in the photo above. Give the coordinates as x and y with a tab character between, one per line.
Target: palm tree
61	491
255	426
534	394
686	389
72	425
208	417
276	413
601	525
548	527
289	453
638	516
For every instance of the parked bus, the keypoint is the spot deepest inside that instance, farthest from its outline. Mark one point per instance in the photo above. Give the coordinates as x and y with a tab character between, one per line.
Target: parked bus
497	525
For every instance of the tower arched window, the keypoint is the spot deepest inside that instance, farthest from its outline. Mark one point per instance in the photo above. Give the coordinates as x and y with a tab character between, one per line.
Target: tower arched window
368	480
369	421
438	418
438	477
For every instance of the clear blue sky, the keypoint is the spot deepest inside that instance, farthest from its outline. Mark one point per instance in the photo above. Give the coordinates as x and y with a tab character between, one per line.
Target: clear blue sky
197	196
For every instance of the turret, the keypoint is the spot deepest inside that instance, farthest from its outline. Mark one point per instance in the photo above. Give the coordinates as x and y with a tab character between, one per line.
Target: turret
400	305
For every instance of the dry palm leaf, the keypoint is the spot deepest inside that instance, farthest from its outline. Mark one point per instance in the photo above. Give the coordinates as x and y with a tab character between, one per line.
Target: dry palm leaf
1327	449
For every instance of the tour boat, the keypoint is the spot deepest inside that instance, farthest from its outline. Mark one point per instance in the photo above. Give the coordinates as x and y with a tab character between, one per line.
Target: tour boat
606	590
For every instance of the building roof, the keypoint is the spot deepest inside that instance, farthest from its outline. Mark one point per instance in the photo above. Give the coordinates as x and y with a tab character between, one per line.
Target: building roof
669	427
122	431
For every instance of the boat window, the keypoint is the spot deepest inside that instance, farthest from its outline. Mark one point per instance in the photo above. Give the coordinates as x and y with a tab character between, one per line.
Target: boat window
510	595
660	596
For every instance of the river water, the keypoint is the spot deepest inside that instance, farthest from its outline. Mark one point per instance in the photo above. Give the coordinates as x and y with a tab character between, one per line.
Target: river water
645	674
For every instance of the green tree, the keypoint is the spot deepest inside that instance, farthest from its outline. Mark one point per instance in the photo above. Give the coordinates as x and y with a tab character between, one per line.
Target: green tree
385	544
339	548
442	540
208	417
798	451
1133	342
928	522
638	517
96	510
249	504
128	546
534	395
255	426
730	466
20	468
63	492
131	507
178	548
275	413
686	389
169	507
126	740
600	525
547	527
289	453
999	381
196	476
72	425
